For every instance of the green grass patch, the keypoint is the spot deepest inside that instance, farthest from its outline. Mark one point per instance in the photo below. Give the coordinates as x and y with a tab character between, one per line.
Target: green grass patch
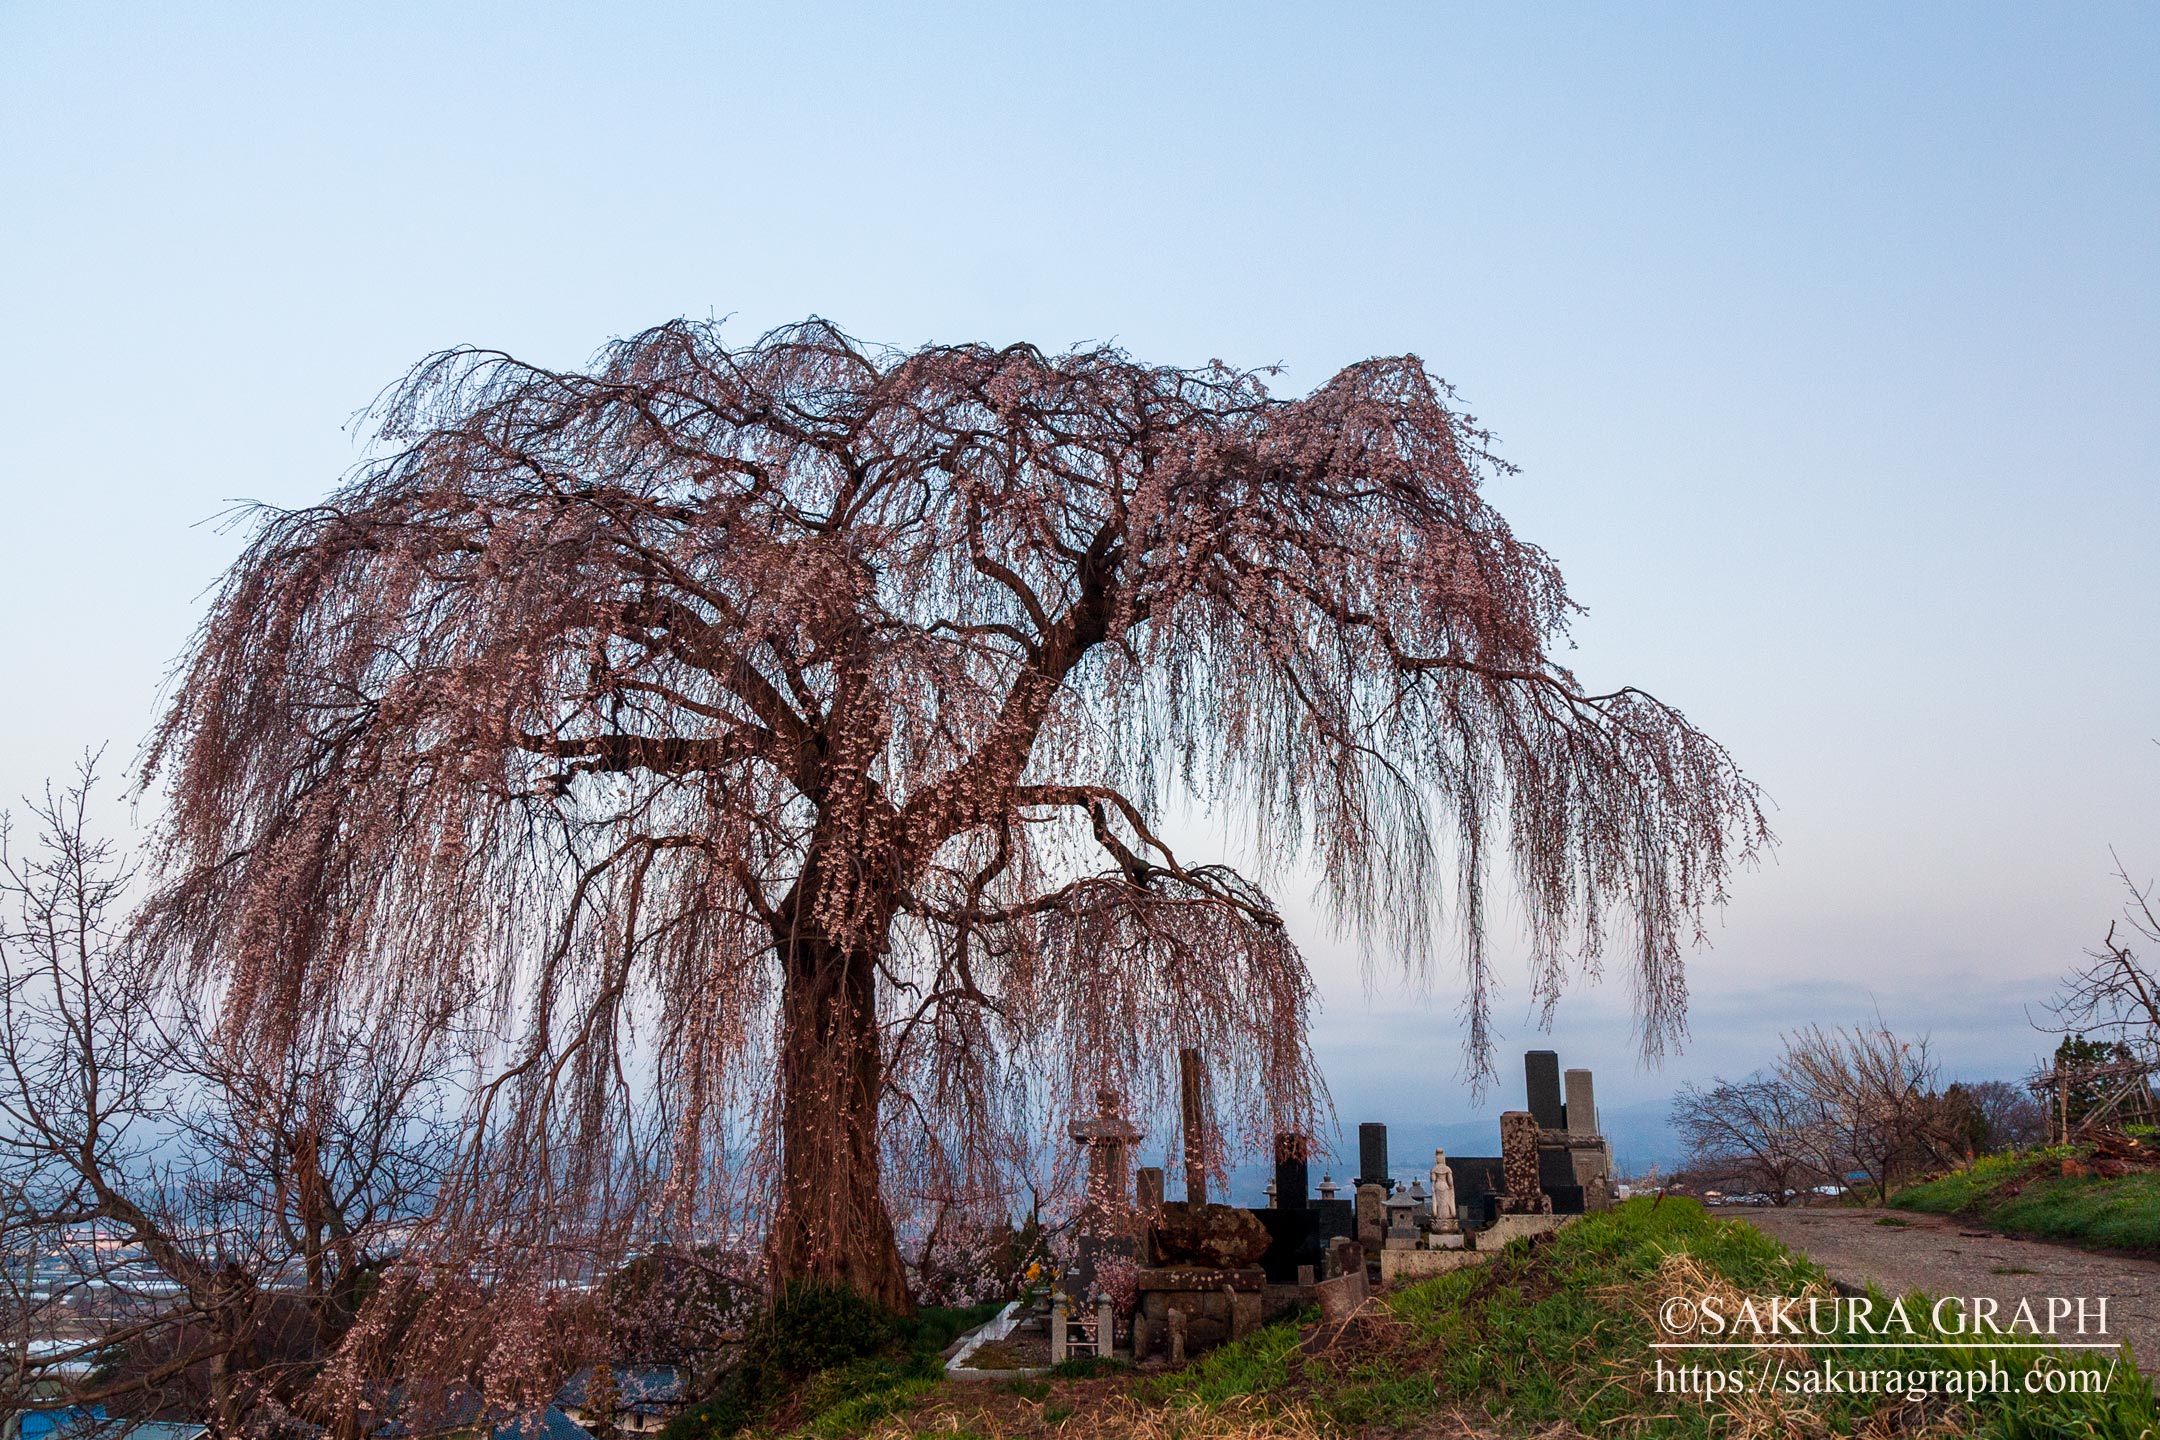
1561	1330
1089	1367
1961	1192
2026	1194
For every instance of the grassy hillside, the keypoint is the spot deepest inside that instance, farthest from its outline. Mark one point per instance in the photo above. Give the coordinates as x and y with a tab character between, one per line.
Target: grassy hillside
1553	1334
2027	1194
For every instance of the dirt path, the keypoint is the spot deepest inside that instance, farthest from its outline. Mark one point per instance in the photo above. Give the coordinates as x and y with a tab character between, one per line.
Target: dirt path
1949	1257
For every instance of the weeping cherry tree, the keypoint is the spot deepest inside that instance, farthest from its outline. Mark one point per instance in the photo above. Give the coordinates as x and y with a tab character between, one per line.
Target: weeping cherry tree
753	764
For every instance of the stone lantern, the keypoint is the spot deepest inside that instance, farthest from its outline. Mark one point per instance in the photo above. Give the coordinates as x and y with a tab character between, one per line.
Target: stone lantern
1402	1227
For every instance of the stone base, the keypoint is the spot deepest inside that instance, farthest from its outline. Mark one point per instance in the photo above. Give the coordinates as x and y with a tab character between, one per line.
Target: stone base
1510	1227
1418	1264
1199	1277
1207	1318
1340	1297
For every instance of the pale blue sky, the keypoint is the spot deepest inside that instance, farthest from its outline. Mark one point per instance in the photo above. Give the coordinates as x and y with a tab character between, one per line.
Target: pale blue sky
1827	338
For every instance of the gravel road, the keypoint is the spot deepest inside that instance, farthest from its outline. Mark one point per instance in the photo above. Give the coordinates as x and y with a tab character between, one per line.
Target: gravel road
1948	1257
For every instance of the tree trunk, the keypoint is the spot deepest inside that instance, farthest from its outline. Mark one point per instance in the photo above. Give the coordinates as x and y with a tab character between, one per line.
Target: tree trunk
833	1226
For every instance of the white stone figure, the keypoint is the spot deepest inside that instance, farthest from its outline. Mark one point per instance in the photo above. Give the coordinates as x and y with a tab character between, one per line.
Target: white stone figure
1443	1193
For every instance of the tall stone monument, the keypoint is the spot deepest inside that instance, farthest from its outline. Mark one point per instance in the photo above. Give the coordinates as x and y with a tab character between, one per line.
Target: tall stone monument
1106	1217
1192	1108
1541	1078
1519	1130
1589	1155
1372	1155
1293	1184
1108	1138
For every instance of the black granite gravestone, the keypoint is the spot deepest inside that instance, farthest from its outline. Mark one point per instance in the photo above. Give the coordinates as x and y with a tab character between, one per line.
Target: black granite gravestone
1372	1153
1293	1184
1479	1181
1541	1078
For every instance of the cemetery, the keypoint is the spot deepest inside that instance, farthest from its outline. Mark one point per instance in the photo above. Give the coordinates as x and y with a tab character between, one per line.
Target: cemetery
1158	1280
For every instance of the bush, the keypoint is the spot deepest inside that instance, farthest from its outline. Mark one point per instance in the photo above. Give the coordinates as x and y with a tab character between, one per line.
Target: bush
815	1327
843	1360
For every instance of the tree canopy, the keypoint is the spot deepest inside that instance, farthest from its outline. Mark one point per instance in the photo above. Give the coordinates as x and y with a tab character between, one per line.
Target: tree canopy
753	762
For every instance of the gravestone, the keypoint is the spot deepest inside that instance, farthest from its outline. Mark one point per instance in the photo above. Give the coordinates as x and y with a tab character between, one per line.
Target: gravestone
1292	1219
1192	1105
1372	1154
1147	1206
1541	1079
1371	1214
1108	1138
1479	1184
1519	1165
1106	1225
1341	1295
1581	1105
1293	1189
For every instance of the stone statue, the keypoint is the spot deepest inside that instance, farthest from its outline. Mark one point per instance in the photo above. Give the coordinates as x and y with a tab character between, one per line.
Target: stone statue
1443	1193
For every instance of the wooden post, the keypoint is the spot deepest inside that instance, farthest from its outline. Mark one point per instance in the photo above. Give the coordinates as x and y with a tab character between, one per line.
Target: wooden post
1195	1127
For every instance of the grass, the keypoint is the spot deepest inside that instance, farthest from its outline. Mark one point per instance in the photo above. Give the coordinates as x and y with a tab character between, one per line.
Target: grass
1555	1334
2026	1194
1561	1332
843	1399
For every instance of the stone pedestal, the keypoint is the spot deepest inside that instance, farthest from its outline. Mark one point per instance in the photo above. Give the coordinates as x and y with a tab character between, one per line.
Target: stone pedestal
1371	1215
1510	1227
1398	1265
1190	1309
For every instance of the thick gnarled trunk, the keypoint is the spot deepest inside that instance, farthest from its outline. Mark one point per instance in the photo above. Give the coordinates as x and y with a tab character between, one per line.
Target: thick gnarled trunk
832	1226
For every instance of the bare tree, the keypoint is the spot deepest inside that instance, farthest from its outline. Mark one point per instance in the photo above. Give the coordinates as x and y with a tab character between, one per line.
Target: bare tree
1989	1116
1751	1134
809	710
1870	1100
197	1234
2115	998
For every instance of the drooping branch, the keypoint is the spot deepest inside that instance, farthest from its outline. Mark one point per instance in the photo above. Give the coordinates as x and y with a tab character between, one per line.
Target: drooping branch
919	648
